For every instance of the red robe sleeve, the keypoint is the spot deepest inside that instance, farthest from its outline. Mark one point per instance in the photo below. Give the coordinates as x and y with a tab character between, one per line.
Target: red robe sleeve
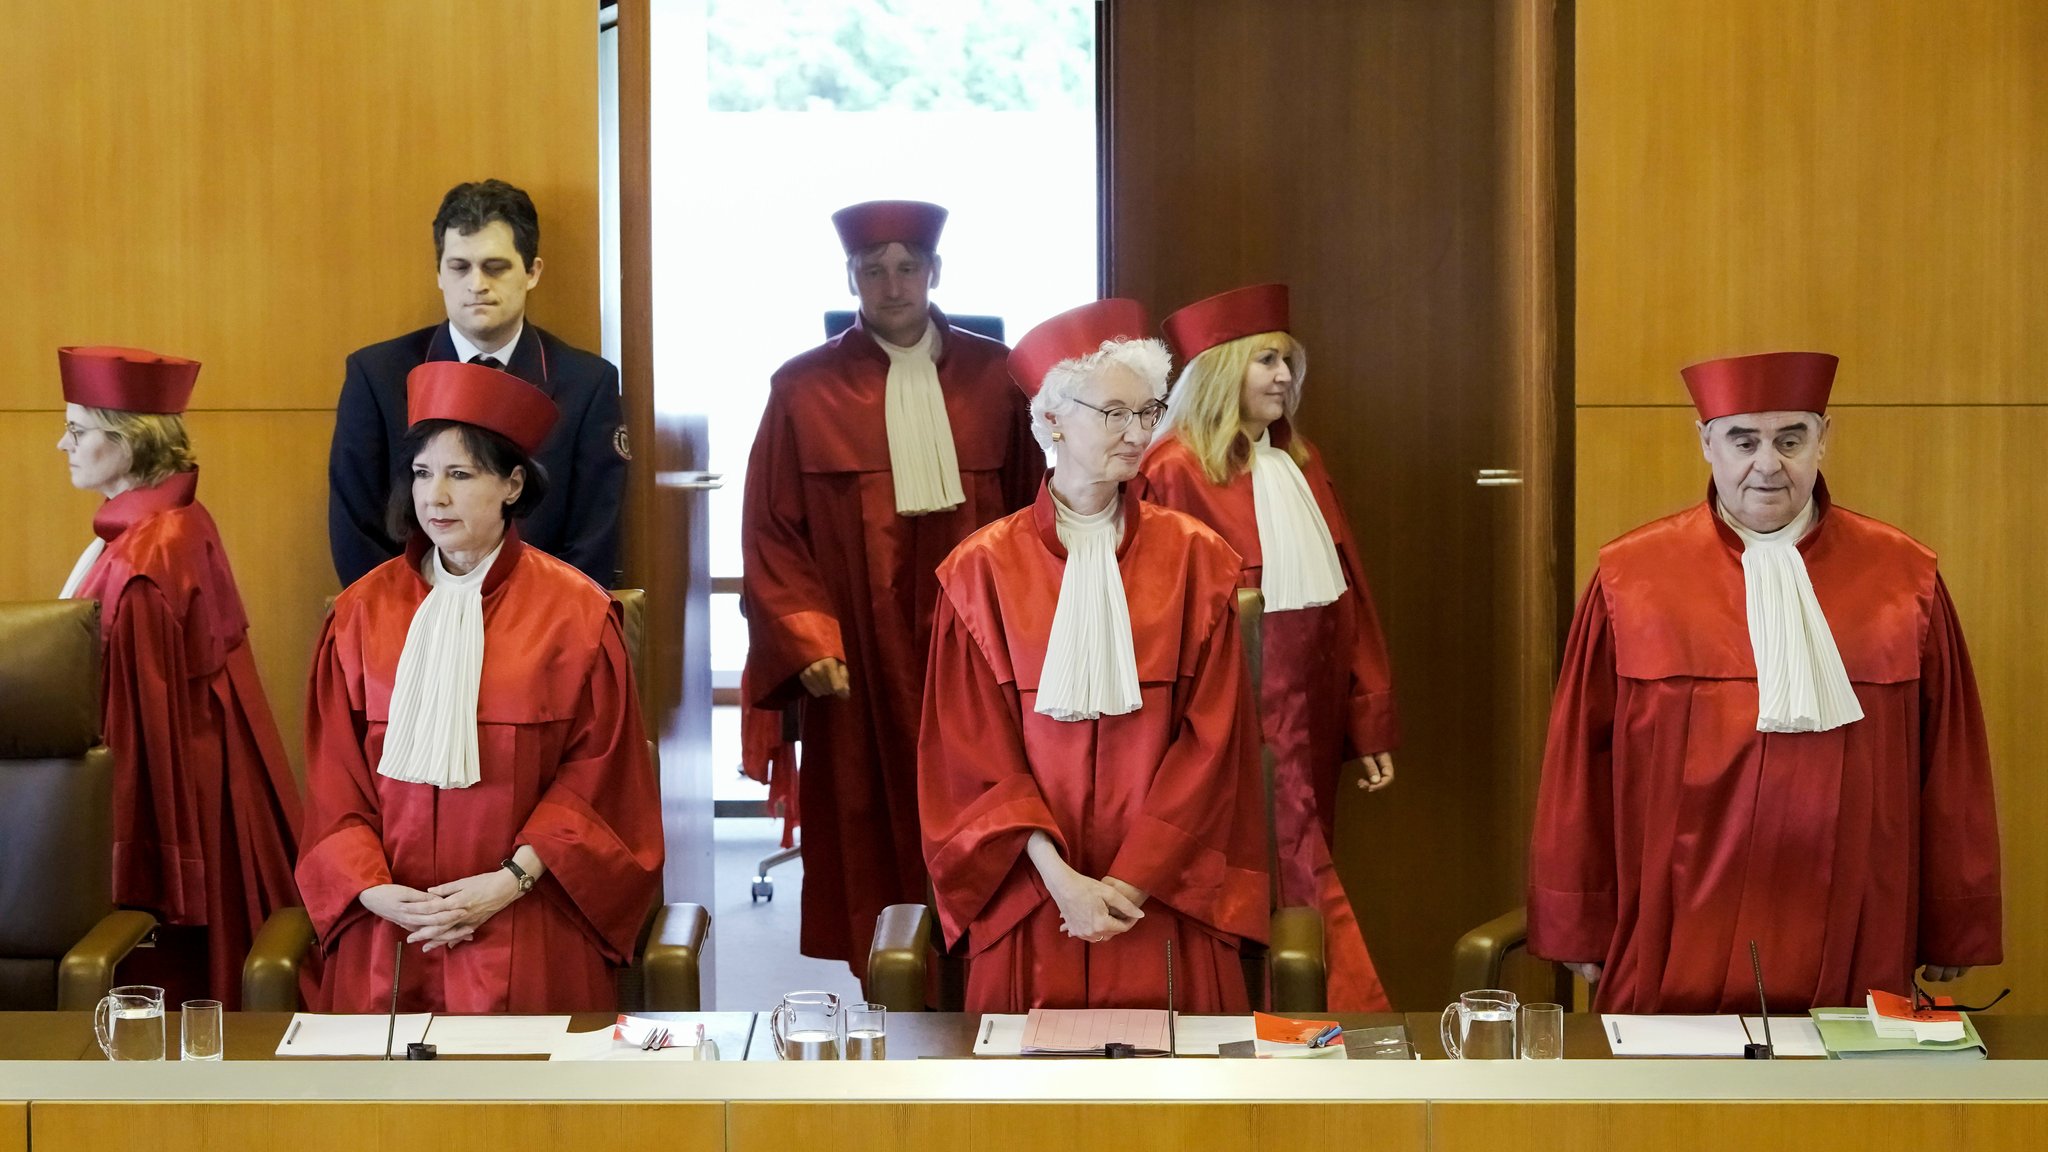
159	861
791	623
1960	910
1199	842
343	851
597	825
1572	899
978	802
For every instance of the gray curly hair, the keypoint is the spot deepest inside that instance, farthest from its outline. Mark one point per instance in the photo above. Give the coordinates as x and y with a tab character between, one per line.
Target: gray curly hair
1148	360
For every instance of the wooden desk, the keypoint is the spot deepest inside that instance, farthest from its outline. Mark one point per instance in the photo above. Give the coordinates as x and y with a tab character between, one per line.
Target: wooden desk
261	1104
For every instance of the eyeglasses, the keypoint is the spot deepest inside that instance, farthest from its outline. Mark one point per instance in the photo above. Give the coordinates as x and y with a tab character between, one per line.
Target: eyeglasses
76	434
1117	419
1925	1000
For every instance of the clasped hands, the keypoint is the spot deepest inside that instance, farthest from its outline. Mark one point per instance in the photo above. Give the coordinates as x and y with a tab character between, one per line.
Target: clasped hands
446	914
1090	909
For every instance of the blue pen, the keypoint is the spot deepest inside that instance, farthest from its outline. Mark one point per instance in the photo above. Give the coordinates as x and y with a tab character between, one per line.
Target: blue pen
1322	1039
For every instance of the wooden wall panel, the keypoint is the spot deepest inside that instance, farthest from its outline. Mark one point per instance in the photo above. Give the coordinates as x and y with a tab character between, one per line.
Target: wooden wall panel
1371	155
1861	177
252	185
1758	174
969	1127
376	1127
1806	1126
1957	479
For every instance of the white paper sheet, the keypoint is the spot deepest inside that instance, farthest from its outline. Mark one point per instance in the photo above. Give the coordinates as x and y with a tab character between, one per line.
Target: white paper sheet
496	1035
1675	1035
1003	1035
315	1034
1790	1035
599	1045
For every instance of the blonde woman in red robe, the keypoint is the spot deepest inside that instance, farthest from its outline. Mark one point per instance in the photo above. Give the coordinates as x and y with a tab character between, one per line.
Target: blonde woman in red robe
1230	456
205	807
478	776
1087	773
1766	729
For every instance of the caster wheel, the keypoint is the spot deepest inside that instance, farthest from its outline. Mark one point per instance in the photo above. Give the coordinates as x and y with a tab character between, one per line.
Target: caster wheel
764	889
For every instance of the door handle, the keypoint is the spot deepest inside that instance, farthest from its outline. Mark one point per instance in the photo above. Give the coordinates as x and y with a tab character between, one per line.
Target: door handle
1499	477
692	481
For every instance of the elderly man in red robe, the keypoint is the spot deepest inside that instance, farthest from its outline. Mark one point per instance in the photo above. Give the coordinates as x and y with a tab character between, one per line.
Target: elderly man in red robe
1087	773
878	452
1766	729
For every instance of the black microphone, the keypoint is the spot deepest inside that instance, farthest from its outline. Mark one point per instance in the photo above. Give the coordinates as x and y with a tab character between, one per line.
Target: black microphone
1763	1051
391	1026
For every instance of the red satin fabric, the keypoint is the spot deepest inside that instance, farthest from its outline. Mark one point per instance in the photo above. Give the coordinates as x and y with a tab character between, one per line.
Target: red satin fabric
205	807
564	769
1166	798
1327	696
832	570
1669	832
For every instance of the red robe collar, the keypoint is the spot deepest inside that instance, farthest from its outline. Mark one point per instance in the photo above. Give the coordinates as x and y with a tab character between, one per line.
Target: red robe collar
1821	504
1047	520
858	341
416	546
138	504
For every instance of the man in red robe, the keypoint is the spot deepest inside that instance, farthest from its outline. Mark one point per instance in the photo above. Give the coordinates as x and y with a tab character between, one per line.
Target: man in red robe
528	884
1766	729
877	453
205	807
1071	840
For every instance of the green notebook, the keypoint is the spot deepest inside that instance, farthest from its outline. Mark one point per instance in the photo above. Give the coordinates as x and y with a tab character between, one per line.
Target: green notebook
1849	1036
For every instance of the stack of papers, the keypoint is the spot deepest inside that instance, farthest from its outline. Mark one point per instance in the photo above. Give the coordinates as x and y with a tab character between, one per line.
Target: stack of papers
316	1034
496	1035
1849	1035
1279	1037
1084	1031
1675	1035
1895	1016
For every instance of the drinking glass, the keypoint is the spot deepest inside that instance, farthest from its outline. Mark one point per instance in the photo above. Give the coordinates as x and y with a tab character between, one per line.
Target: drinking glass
1542	1032
866	1032
199	1030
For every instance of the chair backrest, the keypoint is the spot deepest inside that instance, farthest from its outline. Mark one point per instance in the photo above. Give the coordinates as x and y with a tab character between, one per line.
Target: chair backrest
839	320
56	794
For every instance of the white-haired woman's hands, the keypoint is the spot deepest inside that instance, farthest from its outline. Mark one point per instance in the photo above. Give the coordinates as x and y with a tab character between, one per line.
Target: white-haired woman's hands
1090	909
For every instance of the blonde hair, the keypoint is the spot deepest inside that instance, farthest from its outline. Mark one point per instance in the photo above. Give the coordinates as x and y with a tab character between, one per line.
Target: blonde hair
158	447
1206	406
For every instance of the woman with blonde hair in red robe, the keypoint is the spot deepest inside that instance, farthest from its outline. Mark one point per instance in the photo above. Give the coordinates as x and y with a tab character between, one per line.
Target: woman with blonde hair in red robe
1087	777
1230	456
478	776
205	808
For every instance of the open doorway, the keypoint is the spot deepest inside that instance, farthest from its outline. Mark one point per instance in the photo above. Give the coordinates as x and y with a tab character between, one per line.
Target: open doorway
768	115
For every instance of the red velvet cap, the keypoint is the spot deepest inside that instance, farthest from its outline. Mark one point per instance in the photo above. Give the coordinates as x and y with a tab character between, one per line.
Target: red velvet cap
913	222
1074	333
1766	382
1231	316
126	379
485	397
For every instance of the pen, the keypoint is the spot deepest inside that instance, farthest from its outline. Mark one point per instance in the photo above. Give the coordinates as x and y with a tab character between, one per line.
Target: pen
1322	1039
1616	1028
292	1032
988	1029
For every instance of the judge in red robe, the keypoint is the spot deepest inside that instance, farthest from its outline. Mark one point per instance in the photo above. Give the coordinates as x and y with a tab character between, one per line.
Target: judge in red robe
205	807
877	453
1766	729
1087	773
478	775
1229	456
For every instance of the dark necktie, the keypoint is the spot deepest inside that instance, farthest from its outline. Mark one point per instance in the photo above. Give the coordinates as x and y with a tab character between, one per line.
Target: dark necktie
488	361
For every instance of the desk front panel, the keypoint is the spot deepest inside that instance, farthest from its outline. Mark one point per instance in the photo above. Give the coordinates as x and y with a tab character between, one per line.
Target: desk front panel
1399	1126
374	1126
1805	1126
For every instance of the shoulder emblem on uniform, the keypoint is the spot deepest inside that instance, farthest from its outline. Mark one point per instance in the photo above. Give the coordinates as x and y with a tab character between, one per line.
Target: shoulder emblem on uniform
620	443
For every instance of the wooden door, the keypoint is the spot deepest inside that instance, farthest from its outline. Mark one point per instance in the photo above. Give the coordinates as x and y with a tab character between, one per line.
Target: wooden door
1391	162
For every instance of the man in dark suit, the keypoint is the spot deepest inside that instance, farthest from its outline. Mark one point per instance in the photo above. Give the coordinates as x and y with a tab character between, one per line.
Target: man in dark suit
487	249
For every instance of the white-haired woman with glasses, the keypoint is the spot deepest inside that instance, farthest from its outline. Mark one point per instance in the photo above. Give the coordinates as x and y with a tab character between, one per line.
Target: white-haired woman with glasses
1086	770
1230	456
205	807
